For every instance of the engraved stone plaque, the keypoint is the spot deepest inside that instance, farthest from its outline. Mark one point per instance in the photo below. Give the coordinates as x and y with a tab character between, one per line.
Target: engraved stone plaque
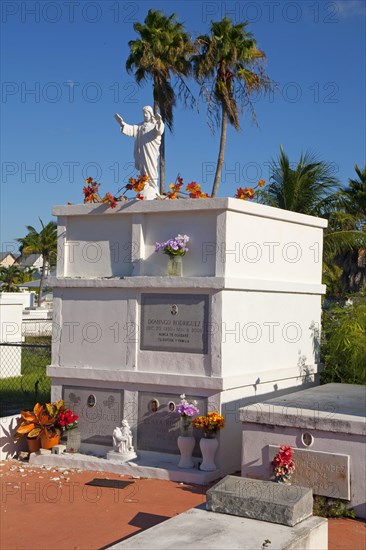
99	411
158	429
327	473
174	322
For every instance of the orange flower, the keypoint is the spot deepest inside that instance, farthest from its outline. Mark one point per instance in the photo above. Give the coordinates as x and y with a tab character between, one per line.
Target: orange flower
175	189
91	191
210	423
244	194
261	183
109	199
194	190
138	184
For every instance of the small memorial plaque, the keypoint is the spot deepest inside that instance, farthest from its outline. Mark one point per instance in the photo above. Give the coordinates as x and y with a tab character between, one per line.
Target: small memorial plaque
328	474
98	415
175	322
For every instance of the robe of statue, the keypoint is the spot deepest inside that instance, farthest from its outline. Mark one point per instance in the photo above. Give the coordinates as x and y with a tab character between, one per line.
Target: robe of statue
146	151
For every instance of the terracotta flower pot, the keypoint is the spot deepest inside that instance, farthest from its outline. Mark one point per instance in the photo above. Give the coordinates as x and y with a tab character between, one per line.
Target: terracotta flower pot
49	440
34	444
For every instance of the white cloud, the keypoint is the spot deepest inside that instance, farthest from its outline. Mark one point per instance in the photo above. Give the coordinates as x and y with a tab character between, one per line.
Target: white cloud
350	8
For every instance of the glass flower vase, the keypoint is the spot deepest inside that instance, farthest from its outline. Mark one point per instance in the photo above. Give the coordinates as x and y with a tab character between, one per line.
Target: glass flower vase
185	426
175	265
73	440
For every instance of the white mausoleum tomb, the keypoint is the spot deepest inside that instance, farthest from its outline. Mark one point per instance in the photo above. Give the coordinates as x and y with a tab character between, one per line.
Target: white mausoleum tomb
245	320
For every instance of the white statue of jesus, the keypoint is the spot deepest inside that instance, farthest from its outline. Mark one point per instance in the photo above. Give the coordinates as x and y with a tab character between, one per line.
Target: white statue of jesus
147	136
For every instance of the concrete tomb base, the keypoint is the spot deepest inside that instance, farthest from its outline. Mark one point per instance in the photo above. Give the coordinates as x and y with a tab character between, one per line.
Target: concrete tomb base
198	528
119	457
148	465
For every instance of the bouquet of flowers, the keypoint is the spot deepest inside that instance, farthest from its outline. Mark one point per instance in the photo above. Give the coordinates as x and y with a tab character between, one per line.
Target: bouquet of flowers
186	410
283	464
174	247
210	424
67	420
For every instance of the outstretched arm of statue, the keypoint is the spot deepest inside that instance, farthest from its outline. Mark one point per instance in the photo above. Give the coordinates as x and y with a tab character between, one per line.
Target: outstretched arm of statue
119	119
159	123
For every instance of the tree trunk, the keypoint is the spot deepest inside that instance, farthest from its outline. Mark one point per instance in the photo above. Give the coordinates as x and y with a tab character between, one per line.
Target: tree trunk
220	158
162	164
162	154
41	284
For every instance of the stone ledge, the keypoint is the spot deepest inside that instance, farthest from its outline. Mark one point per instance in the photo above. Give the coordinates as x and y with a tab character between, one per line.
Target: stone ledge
149	465
338	408
198	528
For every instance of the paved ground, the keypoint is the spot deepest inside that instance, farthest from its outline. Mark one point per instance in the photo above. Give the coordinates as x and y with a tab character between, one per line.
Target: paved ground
50	508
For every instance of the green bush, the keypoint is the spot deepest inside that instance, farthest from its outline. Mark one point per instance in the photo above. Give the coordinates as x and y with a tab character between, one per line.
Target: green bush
343	348
332	508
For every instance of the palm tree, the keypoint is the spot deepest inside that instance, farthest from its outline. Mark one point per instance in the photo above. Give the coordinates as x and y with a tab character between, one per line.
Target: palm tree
309	187
162	50
355	195
353	218
230	59
10	277
44	243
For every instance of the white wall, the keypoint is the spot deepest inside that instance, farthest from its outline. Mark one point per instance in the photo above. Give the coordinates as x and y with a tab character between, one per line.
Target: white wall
100	249
9	448
272	249
263	331
24	298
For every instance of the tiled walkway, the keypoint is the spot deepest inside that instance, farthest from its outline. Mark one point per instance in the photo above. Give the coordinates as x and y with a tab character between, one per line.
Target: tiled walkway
43	509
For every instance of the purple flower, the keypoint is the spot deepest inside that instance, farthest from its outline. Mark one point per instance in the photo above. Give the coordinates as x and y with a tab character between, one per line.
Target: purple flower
185	408
176	246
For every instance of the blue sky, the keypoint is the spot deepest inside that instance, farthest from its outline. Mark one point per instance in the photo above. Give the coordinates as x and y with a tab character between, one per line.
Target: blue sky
63	78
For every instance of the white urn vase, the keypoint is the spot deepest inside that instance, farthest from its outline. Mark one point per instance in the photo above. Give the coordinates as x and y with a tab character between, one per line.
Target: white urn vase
208	446
186	446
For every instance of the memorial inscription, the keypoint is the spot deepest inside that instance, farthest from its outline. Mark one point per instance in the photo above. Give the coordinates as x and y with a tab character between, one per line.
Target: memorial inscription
177	323
99	416
328	474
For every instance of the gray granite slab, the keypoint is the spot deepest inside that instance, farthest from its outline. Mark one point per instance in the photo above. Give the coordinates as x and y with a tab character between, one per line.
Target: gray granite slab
174	322
262	500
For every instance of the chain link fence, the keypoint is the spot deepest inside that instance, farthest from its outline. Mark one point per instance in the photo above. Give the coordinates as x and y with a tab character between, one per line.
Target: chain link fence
37	328
23	378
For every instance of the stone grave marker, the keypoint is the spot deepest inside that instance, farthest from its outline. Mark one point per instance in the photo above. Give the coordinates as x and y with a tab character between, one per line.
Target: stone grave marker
158	424
177	322
99	411
328	474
